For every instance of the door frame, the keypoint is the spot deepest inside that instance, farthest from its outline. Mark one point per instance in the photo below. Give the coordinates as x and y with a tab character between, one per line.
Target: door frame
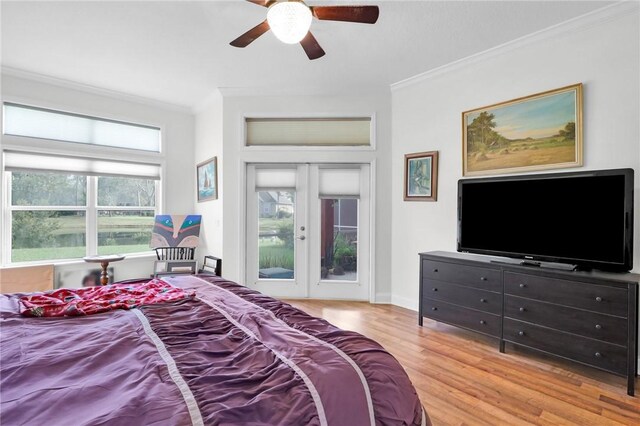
243	164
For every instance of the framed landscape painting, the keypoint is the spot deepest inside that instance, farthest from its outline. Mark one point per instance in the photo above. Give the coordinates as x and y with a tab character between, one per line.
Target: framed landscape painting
421	176
207	178
536	132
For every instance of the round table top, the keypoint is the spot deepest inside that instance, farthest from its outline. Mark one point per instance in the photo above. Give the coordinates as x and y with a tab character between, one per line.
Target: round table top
103	258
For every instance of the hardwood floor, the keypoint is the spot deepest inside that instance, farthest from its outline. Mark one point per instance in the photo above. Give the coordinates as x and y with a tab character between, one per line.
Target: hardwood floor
462	378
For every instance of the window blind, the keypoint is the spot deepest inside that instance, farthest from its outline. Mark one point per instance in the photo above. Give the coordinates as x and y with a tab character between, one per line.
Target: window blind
267	179
35	162
336	183
22	120
308	131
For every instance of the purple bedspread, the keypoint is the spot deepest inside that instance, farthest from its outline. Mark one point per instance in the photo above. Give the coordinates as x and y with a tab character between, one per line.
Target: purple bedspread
231	356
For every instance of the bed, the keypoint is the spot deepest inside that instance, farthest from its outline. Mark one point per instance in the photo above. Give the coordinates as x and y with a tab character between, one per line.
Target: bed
227	355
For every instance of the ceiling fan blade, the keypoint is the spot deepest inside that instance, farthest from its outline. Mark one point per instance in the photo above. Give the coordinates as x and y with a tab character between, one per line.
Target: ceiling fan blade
361	14
311	47
265	3
247	38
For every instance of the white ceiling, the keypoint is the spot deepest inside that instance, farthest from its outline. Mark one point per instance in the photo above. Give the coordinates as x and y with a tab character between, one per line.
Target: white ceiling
178	51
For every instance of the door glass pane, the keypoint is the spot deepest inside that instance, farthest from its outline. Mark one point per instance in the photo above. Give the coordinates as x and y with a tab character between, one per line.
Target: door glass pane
44	235
339	239
124	231
276	239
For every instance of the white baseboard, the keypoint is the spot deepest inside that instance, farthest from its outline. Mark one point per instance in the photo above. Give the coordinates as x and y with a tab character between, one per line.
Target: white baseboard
404	302
382	298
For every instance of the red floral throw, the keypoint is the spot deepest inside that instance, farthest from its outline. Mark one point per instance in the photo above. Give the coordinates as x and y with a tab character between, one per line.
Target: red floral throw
93	300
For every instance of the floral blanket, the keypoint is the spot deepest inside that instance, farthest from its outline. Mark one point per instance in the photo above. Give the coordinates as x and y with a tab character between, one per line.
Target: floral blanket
93	300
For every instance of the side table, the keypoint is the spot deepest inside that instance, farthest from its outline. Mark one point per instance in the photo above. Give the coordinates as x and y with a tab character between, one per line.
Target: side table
104	262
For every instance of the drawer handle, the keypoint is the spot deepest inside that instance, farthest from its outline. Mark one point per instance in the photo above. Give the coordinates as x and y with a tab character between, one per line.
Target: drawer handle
522	309
435	289
434	309
520	333
598	299
435	270
598	354
483	300
483	278
483	322
523	285
598	327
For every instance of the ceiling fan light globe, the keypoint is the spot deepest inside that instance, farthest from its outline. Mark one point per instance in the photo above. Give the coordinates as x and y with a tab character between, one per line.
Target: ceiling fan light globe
289	21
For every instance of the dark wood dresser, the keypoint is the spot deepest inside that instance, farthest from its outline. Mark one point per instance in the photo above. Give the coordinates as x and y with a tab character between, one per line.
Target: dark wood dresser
586	317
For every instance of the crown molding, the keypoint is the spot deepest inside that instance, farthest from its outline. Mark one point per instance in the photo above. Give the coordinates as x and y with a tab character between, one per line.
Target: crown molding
580	23
87	88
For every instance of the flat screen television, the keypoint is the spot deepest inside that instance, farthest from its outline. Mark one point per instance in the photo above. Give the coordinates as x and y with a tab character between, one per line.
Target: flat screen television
581	218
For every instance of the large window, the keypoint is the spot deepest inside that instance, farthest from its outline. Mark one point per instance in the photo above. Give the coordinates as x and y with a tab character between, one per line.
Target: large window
52	217
66	203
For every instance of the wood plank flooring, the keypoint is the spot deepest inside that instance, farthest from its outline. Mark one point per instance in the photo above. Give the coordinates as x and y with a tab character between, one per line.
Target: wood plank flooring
462	378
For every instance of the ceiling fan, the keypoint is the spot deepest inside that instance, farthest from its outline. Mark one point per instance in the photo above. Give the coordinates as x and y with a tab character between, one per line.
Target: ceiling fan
290	21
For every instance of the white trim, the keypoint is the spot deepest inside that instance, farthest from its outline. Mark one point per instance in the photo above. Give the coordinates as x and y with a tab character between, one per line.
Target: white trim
382	299
174	373
114	94
91	236
310	386
405	302
580	23
372	231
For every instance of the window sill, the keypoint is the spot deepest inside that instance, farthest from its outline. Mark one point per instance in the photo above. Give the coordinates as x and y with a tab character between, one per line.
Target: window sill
75	262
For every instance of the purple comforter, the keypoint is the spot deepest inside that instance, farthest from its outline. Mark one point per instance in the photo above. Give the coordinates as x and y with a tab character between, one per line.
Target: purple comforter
231	356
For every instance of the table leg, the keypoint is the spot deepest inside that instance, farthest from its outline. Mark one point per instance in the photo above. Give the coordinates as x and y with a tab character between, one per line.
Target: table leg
104	278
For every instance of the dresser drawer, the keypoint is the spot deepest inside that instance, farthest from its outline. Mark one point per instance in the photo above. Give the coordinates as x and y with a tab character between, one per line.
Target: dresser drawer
470	276
464	296
597	298
482	322
585	323
588	351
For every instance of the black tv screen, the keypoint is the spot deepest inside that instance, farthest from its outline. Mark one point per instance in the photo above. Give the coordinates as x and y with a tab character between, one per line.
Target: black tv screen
583	218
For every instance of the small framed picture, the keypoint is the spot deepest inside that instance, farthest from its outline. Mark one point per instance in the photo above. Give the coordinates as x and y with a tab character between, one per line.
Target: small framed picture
207	177
172	267
421	176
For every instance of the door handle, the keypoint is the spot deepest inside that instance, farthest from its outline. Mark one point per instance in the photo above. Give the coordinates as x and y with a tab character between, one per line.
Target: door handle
301	237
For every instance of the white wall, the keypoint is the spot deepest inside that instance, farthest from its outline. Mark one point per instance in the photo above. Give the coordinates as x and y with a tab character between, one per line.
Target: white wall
178	144
236	107
601	52
208	137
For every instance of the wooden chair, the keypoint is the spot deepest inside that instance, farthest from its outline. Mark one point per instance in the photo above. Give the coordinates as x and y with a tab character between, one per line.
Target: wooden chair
175	253
212	265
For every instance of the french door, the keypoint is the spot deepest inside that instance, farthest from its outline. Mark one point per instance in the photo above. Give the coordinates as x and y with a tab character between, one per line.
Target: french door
308	229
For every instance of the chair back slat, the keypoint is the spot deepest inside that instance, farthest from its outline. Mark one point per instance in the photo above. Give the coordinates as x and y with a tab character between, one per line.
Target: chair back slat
175	253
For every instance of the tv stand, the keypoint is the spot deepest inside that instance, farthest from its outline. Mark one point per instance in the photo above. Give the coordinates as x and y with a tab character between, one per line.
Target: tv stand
589	317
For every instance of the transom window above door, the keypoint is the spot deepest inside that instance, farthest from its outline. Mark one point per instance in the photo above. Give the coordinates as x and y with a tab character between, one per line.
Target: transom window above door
327	132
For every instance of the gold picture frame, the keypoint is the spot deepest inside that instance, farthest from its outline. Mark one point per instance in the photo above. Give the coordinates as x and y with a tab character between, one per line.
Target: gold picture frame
536	132
421	176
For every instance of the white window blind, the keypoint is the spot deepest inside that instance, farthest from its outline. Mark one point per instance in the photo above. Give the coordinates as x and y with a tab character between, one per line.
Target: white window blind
337	183
21	120
26	161
267	179
309	131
